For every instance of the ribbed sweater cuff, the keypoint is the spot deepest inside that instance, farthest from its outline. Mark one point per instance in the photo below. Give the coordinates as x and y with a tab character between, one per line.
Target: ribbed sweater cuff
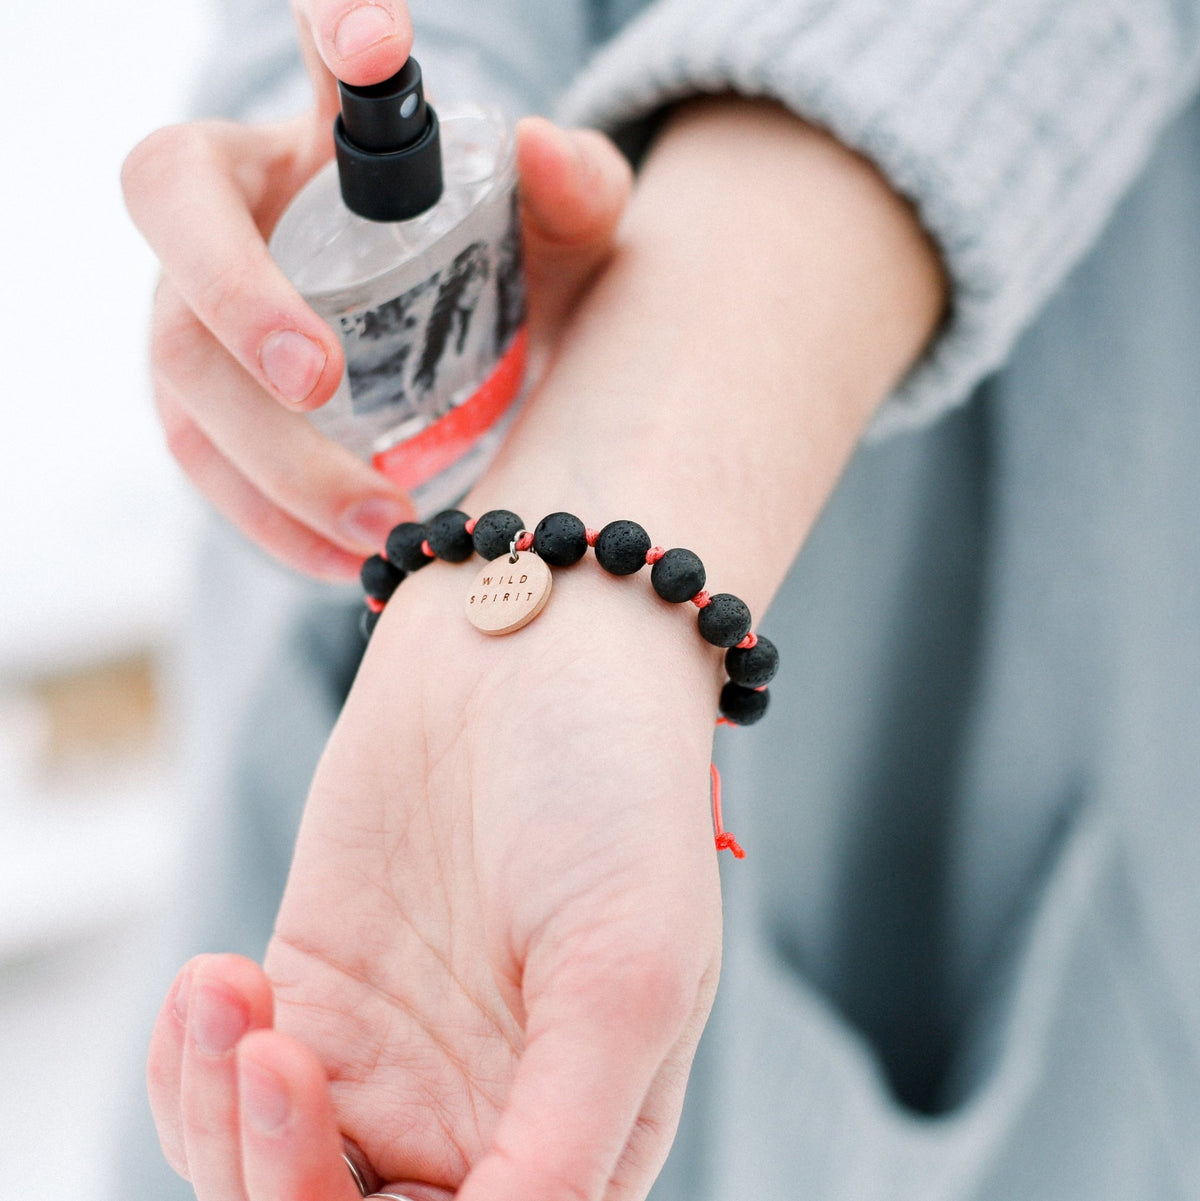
1012	125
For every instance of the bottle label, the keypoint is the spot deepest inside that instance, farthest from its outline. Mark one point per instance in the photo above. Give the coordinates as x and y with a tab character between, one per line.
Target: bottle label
448	351
423	456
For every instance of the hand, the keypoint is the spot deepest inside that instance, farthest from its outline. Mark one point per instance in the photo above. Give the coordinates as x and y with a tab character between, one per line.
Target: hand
237	356
500	938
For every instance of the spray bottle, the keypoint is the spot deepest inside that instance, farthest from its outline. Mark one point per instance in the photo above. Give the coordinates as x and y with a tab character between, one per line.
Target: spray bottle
408	245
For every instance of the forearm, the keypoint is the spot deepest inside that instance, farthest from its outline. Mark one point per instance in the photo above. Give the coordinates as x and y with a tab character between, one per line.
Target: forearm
768	290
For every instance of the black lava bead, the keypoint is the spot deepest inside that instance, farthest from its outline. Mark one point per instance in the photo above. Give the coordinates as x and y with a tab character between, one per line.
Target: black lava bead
404	546
495	531
380	578
560	539
743	706
678	575
755	666
447	533
725	620
367	623
621	547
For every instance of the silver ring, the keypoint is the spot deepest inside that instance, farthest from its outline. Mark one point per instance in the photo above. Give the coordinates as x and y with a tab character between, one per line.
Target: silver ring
362	1184
512	558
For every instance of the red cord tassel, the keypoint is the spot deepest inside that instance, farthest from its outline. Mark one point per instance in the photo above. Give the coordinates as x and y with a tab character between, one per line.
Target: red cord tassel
725	840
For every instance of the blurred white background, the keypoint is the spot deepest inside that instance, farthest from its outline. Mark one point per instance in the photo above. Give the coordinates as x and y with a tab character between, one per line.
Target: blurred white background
95	528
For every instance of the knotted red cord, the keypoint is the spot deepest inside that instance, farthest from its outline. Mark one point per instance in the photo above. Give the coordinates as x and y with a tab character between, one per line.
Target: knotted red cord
725	840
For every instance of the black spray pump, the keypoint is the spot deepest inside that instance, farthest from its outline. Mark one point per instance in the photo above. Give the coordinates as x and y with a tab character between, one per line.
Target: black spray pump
389	154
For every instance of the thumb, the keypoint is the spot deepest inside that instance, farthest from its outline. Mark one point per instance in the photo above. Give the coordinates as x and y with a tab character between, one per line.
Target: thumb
357	41
574	185
588	1089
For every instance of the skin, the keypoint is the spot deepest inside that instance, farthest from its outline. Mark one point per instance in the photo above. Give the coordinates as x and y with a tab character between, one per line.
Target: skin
501	934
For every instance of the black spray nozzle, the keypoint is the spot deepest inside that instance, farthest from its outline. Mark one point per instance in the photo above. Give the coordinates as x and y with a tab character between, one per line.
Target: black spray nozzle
388	116
388	148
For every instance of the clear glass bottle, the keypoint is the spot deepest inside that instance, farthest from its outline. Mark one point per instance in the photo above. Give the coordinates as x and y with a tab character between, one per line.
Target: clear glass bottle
429	304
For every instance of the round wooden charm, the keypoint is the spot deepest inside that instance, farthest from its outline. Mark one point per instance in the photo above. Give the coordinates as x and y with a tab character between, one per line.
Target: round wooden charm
506	596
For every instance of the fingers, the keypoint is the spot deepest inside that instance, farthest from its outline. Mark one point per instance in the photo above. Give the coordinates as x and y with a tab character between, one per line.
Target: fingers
194	191
232	338
213	998
243	1111
164	1071
307	500
291	1147
596	1046
575	185
229	996
236	498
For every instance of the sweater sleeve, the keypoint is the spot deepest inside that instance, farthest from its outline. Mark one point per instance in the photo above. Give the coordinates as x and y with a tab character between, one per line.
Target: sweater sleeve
1012	125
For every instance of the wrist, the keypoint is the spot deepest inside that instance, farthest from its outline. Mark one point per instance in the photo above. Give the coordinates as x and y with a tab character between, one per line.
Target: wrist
609	639
768	290
512	586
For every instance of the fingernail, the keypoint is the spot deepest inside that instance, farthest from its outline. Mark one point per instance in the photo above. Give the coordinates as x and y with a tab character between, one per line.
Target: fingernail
560	140
573	149
263	1096
588	174
362	27
292	362
368	524
217	1020
181	995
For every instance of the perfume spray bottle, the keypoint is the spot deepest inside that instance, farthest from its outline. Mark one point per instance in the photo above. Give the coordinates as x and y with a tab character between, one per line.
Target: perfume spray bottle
408	245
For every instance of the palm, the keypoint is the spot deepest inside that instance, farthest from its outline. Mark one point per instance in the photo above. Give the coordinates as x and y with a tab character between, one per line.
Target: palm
459	885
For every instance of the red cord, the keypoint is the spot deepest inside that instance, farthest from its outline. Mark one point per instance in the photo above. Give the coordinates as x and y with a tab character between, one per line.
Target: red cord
427	550
525	541
591	536
724	839
470	526
654	554
701	599
375	605
749	642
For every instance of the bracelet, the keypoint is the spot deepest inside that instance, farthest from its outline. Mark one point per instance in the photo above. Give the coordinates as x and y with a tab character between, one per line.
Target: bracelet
513	586
504	599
